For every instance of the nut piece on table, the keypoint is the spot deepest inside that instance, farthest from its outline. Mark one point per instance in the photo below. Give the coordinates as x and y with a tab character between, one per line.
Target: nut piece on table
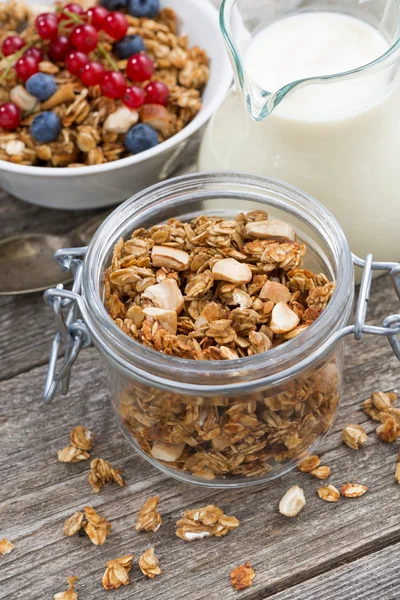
71	454
82	438
270	230
101	472
329	493
148	518
388	431
205	522
309	464
121	120
168	319
73	524
378	406
353	490
283	318
70	593
148	564
6	546
292	502
116	573
165	295
321	472
276	292
229	269
354	436
97	527
242	577
172	258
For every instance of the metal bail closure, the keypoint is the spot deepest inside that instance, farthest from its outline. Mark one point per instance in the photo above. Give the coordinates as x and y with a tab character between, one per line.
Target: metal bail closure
72	331
391	324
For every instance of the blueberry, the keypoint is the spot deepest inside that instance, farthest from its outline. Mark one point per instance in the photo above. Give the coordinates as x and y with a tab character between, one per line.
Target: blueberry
130	44
41	85
114	4
144	8
140	137
45	127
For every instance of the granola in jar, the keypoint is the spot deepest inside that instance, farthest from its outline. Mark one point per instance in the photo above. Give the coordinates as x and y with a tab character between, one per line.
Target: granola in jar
217	289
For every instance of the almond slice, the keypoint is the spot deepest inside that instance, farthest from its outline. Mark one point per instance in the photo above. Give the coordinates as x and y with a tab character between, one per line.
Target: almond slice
121	120
172	258
270	230
168	319
283	318
276	292
165	295
167	452
65	93
229	269
22	98
157	116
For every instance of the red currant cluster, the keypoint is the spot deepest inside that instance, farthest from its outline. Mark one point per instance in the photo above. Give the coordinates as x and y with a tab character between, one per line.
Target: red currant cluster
78	40
69	36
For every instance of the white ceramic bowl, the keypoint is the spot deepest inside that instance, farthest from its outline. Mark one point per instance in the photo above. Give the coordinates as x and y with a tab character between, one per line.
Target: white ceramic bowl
110	183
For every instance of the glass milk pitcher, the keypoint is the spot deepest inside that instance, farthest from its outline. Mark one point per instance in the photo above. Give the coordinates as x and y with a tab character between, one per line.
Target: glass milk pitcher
317	104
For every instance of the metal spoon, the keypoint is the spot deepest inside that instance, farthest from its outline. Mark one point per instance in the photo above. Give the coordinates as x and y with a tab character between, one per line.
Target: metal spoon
26	261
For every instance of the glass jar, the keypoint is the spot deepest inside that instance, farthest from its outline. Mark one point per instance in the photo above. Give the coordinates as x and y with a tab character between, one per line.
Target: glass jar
218	423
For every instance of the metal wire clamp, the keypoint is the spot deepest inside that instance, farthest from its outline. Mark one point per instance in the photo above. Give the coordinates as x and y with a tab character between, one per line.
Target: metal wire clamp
73	332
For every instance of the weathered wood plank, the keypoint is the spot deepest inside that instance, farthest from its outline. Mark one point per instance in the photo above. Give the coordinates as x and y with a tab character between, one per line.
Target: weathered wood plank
369	578
38	493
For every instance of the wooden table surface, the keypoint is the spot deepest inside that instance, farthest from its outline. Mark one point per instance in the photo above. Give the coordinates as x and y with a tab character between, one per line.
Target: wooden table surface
350	549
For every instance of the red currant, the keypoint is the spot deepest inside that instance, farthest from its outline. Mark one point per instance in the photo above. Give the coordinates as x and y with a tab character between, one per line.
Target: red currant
59	48
46	26
12	44
116	25
134	97
92	73
84	38
25	67
72	8
75	61
36	53
113	84
10	116
140	67
97	16
156	93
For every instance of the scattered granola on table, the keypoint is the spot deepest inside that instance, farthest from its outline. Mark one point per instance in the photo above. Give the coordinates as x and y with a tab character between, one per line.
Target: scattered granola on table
70	593
321	472
148	564
205	522
87	87
221	289
354	436
101	472
292	502
329	493
81	442
353	490
96	526
6	547
73	524
309	464
117	572
242	577
148	518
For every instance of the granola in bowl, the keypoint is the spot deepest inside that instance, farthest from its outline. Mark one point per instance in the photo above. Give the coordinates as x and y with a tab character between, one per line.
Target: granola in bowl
85	85
214	289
